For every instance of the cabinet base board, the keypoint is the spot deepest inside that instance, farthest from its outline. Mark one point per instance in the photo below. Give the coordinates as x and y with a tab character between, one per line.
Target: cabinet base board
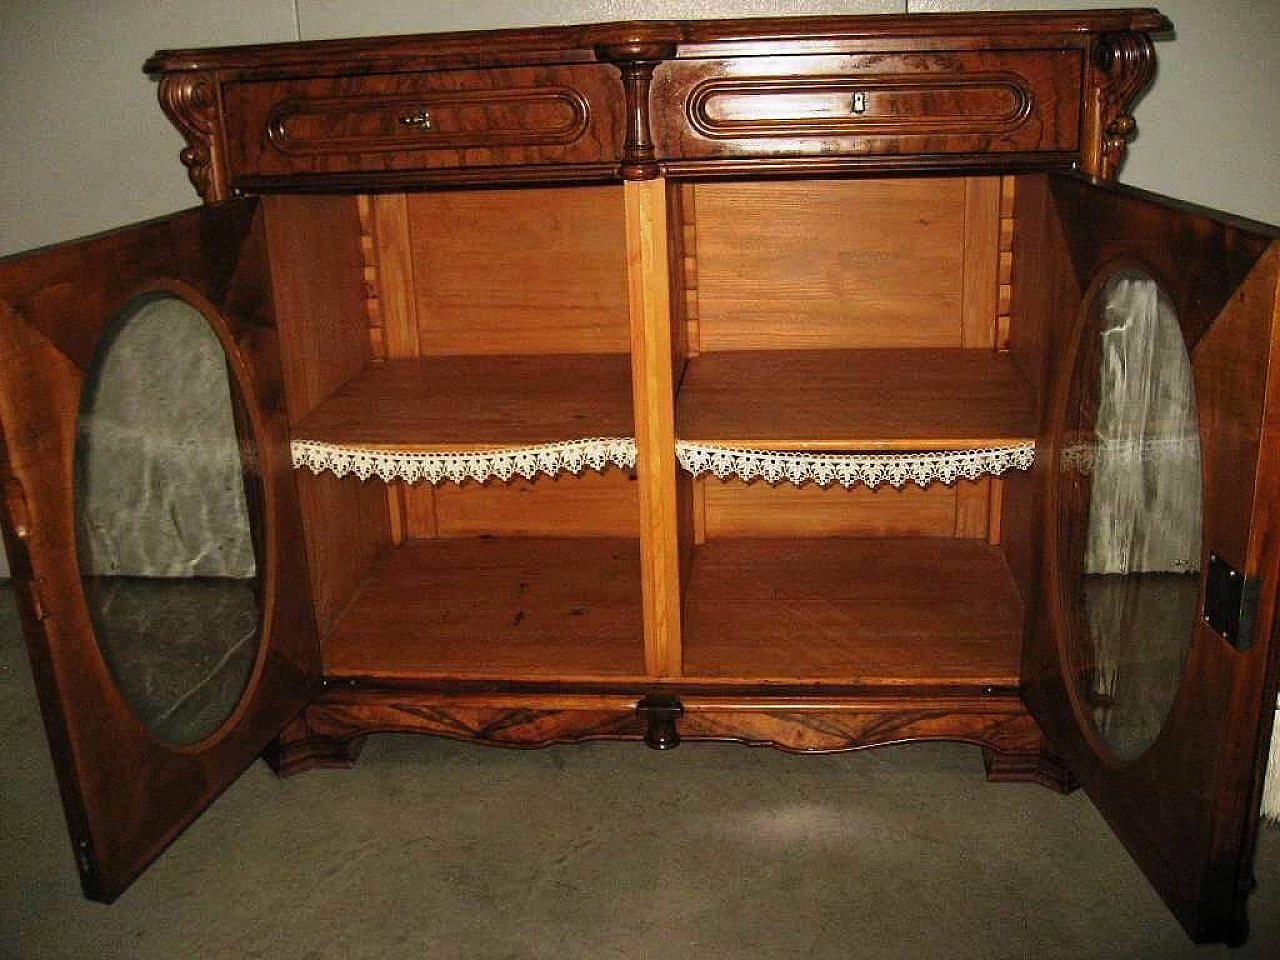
331	731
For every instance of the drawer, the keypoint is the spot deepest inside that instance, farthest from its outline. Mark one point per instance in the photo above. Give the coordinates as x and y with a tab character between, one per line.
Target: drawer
924	104
569	115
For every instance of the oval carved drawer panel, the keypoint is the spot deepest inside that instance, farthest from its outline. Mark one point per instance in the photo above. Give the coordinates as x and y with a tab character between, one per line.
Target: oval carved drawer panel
869	104
449	121
551	116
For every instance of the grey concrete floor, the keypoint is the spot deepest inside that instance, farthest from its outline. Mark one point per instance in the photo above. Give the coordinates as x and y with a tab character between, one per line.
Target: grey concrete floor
434	849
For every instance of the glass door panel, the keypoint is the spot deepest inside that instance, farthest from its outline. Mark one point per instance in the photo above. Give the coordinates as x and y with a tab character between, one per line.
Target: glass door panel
1131	518
162	521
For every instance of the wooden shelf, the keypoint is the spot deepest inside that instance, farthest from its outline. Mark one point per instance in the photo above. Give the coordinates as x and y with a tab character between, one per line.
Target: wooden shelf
495	609
908	399
896	613
486	402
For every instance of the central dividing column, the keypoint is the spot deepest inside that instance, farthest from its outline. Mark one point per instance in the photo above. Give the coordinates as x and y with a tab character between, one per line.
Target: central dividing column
653	386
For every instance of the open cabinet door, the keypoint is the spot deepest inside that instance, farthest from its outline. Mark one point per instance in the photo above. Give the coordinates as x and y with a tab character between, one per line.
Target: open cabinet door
1152	668
151	522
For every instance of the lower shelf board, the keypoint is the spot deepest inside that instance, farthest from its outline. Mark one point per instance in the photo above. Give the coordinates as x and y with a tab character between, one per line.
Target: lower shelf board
912	612
888	615
481	608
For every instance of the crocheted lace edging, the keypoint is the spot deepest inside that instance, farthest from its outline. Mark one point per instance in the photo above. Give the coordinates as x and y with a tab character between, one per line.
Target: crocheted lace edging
598	453
573	456
849	470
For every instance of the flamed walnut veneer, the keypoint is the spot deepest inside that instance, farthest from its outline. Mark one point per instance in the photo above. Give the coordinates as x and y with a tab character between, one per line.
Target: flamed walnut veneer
731	380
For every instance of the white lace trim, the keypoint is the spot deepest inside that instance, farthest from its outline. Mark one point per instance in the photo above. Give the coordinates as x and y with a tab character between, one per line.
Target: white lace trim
849	470
598	453
458	466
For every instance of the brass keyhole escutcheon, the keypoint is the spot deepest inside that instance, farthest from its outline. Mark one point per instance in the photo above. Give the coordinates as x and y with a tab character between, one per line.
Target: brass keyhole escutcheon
418	120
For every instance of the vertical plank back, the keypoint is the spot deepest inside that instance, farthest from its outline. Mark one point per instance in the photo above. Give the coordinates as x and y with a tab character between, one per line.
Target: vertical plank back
529	271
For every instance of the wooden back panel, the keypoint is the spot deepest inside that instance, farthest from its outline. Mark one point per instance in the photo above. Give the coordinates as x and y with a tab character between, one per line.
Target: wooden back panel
736	509
590	505
845	264
531	271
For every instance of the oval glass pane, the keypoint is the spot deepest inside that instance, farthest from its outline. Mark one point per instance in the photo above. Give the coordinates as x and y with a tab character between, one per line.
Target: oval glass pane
1130	513
164	541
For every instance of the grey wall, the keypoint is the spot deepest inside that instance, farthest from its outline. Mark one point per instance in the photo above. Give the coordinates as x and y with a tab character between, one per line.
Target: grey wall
86	147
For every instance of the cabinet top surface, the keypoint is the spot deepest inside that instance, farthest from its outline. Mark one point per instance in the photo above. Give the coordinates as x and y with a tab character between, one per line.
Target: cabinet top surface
661	39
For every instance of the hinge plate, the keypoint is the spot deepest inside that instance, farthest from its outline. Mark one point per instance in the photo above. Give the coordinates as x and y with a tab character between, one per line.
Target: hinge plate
1231	603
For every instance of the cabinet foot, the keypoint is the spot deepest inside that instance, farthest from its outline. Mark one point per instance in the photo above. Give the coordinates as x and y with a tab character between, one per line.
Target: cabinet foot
1041	767
297	751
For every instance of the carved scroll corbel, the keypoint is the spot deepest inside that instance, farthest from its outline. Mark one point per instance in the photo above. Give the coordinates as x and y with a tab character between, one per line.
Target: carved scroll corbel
1124	64
637	58
190	102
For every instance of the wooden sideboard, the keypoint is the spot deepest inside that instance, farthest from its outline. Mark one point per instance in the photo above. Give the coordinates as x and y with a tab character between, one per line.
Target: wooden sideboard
727	380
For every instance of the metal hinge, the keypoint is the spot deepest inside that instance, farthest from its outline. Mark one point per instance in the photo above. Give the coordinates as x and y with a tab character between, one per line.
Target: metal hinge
1231	603
90	882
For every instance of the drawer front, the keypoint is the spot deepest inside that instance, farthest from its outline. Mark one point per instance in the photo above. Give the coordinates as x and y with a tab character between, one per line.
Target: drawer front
447	120
929	103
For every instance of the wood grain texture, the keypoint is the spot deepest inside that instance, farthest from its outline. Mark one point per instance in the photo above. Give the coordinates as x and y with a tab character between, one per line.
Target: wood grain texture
1105	224
924	103
970	31
636	60
520	271
653	382
855	400
318	285
591	505
973	507
1008	223
883	612
416	505
330	730
190	101
499	117
1119	68
372	284
945	92
540	307
563	608
1186	809
476	403
980	304
732	508
830	264
346	525
396	285
684	271
127	795
997	723
320	294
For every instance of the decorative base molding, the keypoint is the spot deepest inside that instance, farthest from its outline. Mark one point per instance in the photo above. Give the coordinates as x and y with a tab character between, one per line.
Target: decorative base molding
298	749
1040	767
330	732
